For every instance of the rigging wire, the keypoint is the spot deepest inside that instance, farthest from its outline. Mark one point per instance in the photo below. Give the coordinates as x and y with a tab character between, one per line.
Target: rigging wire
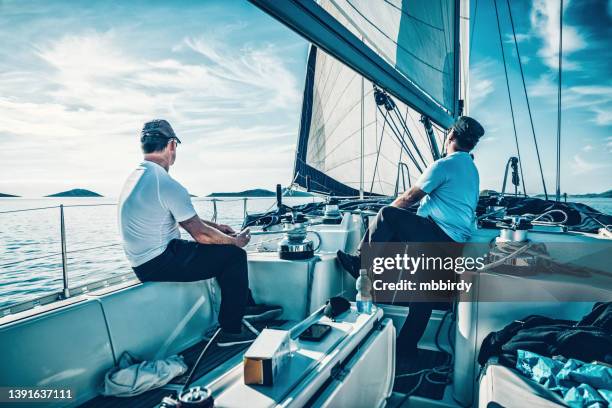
410	137
535	140
473	28
501	44
382	135
558	189
398	135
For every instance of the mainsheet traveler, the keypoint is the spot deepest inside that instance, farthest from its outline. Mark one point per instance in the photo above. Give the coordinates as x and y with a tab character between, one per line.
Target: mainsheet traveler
448	194
152	205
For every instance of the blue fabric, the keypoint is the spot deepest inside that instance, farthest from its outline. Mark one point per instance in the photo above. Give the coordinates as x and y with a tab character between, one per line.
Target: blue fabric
580	384
451	184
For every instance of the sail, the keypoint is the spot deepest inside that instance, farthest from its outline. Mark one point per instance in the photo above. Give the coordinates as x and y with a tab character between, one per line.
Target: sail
348	143
380	72
408	47
416	36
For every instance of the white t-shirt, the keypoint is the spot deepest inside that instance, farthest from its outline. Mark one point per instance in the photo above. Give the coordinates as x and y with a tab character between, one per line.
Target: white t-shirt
150	207
451	184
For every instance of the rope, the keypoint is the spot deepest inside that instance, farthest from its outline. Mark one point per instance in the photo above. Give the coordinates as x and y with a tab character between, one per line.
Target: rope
501	44
535	141
551	220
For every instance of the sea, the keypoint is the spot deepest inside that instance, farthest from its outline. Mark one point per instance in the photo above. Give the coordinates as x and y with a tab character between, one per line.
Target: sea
30	243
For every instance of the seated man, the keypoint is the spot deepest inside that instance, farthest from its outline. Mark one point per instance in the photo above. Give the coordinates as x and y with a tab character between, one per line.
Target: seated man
448	194
151	207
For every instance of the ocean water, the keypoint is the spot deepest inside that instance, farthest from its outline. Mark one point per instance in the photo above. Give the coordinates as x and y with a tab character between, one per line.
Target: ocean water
30	246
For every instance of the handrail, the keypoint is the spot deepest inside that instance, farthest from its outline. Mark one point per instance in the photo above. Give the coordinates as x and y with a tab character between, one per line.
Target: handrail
200	199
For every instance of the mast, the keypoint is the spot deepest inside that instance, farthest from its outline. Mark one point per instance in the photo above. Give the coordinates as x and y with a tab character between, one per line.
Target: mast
361	156
558	190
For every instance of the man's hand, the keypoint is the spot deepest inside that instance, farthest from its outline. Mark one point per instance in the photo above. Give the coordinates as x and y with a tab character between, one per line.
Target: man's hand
204	233
226	229
243	238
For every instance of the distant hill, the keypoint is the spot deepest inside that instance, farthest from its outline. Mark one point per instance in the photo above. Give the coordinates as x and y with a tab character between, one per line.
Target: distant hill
2	195
257	192
76	192
605	194
260	192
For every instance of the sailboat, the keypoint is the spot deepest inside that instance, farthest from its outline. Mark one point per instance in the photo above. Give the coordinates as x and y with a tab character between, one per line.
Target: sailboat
384	82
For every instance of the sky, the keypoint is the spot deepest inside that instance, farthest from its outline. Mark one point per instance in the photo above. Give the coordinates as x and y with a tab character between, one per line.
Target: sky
78	79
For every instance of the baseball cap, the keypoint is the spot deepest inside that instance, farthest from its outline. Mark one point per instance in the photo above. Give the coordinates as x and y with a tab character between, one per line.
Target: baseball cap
158	128
468	129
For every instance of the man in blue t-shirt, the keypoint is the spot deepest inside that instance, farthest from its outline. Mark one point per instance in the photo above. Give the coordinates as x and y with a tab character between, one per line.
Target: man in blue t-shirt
447	193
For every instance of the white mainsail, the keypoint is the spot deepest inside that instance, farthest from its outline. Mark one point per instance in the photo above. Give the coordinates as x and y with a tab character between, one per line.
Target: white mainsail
346	127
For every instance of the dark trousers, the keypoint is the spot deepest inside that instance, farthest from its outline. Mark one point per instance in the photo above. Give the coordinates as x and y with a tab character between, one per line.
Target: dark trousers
189	261
397	225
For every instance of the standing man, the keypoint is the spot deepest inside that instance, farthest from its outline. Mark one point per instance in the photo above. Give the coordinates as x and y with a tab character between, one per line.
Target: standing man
448	194
152	205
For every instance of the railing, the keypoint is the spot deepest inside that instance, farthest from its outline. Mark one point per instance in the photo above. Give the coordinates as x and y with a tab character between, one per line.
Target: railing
67	291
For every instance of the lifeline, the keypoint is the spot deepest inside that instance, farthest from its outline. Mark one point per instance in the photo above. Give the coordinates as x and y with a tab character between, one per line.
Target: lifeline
407	285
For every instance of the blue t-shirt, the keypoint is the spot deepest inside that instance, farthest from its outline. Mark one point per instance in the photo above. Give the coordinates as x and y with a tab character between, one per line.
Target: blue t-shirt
452	186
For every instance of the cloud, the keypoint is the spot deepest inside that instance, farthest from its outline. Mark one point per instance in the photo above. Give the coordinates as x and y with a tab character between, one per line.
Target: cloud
593	99
587	148
581	166
520	37
481	84
544	19
66	99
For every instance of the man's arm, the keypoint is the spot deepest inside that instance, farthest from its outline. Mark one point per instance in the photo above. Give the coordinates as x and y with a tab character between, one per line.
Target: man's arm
206	234
221	227
408	198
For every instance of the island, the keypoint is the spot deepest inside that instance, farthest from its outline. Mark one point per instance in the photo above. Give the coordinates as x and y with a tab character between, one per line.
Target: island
605	194
260	192
2	195
76	192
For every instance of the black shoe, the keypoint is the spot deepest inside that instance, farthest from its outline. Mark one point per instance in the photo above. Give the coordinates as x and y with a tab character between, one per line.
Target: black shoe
227	339
351	263
261	312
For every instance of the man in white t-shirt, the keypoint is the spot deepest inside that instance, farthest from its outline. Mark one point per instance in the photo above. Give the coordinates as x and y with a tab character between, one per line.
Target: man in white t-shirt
447	193
152	205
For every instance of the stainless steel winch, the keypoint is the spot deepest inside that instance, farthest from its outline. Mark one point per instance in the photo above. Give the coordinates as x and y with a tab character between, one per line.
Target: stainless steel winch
295	246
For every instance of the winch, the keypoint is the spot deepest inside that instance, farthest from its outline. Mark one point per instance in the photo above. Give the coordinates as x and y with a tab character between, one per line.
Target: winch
294	245
513	229
332	214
